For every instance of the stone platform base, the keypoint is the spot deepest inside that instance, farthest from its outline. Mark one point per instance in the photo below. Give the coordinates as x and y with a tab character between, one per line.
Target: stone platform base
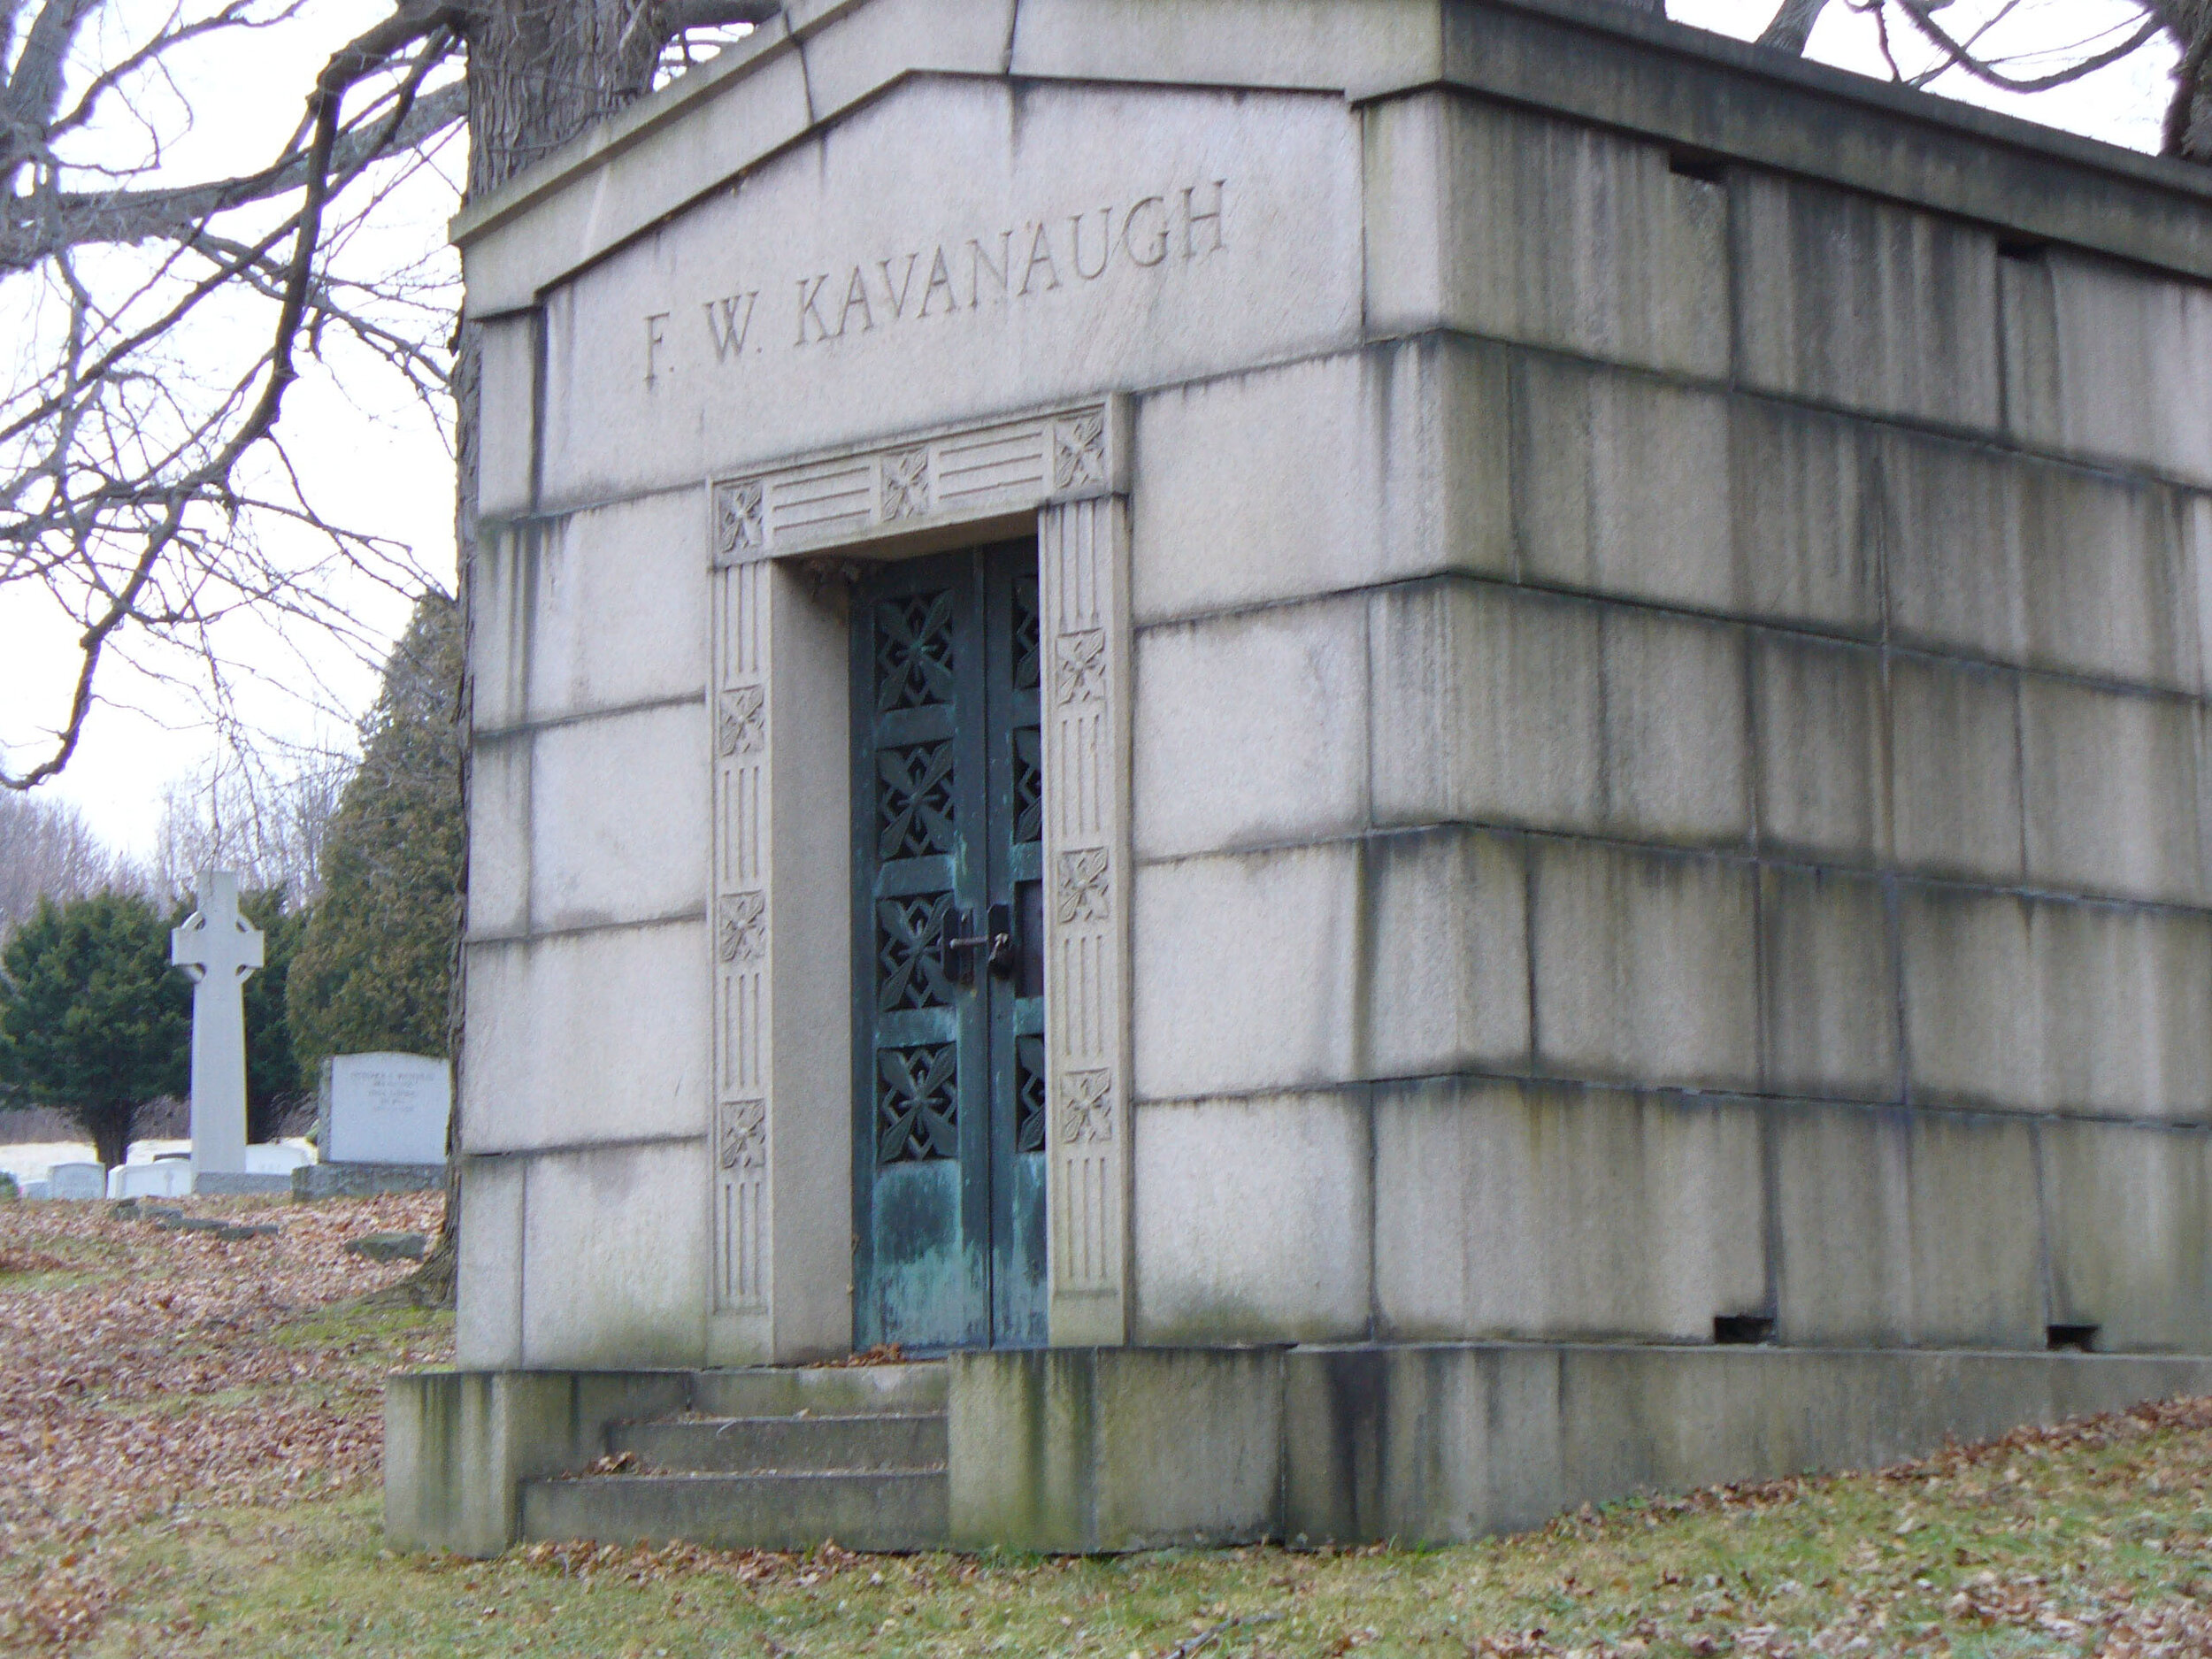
1086	1450
214	1184
363	1180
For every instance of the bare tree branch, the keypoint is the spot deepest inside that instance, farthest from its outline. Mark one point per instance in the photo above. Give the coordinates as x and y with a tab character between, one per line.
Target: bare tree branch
34	89
136	468
1959	56
679	16
1792	28
1971	51
209	482
38	228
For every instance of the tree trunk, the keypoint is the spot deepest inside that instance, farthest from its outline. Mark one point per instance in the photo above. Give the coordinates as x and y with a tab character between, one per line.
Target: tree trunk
110	1125
1793	26
540	72
2189	117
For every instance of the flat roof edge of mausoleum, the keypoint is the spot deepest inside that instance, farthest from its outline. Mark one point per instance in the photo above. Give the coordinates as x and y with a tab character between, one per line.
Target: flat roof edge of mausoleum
1590	60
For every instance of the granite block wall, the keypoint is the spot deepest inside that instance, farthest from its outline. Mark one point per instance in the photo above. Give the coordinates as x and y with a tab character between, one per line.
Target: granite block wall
1718	839
1668	775
584	1232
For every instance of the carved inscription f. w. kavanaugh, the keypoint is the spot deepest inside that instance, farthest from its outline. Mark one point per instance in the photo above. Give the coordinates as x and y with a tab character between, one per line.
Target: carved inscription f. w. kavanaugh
947	278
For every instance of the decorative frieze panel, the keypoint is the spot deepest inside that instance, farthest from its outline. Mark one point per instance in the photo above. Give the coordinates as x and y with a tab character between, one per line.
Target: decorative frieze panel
741	1193
744	1113
743	727
1084	563
981	472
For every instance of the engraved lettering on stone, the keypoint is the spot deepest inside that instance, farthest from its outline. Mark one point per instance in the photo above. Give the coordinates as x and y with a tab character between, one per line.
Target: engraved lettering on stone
1079	666
1078	452
1091	273
965	272
940	281
979	262
737	518
906	485
744	725
744	927
811	307
1147	246
895	294
1086	894
728	322
1041	258
1195	215
655	342
1086	1106
744	1138
855	298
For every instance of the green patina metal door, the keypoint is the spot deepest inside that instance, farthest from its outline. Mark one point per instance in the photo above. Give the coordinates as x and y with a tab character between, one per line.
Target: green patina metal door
948	942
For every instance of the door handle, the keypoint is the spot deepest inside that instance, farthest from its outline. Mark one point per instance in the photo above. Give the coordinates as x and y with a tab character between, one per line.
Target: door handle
1000	952
995	941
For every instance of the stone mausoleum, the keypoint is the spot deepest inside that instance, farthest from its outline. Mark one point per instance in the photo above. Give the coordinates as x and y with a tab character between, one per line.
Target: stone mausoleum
1390	762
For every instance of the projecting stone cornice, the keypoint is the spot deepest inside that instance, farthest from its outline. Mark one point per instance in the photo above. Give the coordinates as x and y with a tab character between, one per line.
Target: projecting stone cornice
1593	60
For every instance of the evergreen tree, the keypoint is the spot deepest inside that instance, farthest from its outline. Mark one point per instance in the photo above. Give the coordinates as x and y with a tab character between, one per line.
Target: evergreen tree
275	1086
92	1021
375	961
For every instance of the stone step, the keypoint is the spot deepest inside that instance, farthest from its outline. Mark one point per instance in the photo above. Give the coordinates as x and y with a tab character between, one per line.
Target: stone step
885	1509
827	1391
794	1445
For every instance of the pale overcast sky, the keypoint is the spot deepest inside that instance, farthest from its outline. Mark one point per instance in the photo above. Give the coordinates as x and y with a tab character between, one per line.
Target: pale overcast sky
379	463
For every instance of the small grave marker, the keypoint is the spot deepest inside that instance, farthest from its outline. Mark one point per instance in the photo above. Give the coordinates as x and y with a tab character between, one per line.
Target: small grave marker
77	1180
385	1108
168	1177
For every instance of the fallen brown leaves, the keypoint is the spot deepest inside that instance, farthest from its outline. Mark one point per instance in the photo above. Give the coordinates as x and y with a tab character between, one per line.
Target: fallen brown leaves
150	1384
150	1375
652	1563
881	1354
19	1261
1890	1602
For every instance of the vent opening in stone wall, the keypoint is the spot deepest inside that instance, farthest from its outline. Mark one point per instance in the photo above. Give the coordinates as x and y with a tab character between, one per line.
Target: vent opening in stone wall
1742	1330
1700	164
2081	1338
2021	248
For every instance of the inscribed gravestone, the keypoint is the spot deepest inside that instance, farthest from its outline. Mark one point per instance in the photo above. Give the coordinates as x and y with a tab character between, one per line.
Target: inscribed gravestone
77	1180
385	1108
220	950
169	1178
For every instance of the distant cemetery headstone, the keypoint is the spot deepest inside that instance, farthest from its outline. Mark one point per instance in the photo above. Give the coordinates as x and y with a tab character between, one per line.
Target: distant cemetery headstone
77	1180
385	1108
381	1127
164	1177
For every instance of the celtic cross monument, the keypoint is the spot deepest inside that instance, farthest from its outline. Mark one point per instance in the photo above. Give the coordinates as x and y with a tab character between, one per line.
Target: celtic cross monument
220	950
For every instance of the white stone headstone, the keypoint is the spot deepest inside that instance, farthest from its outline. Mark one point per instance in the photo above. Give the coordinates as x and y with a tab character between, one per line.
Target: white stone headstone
77	1180
385	1108
171	1178
275	1157
220	949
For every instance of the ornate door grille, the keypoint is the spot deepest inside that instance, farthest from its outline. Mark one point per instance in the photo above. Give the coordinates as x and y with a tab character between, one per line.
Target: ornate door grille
949	1070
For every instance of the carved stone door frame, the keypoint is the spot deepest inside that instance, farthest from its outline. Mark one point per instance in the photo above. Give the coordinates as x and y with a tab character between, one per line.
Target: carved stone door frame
781	1134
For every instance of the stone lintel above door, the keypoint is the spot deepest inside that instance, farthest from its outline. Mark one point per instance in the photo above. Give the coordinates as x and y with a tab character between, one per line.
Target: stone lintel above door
922	491
781	938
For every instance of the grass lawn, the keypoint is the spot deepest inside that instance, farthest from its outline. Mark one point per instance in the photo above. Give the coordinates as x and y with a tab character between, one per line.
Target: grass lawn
189	1465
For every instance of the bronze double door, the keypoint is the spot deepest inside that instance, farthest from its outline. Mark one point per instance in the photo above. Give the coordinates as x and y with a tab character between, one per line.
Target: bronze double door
949	1068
